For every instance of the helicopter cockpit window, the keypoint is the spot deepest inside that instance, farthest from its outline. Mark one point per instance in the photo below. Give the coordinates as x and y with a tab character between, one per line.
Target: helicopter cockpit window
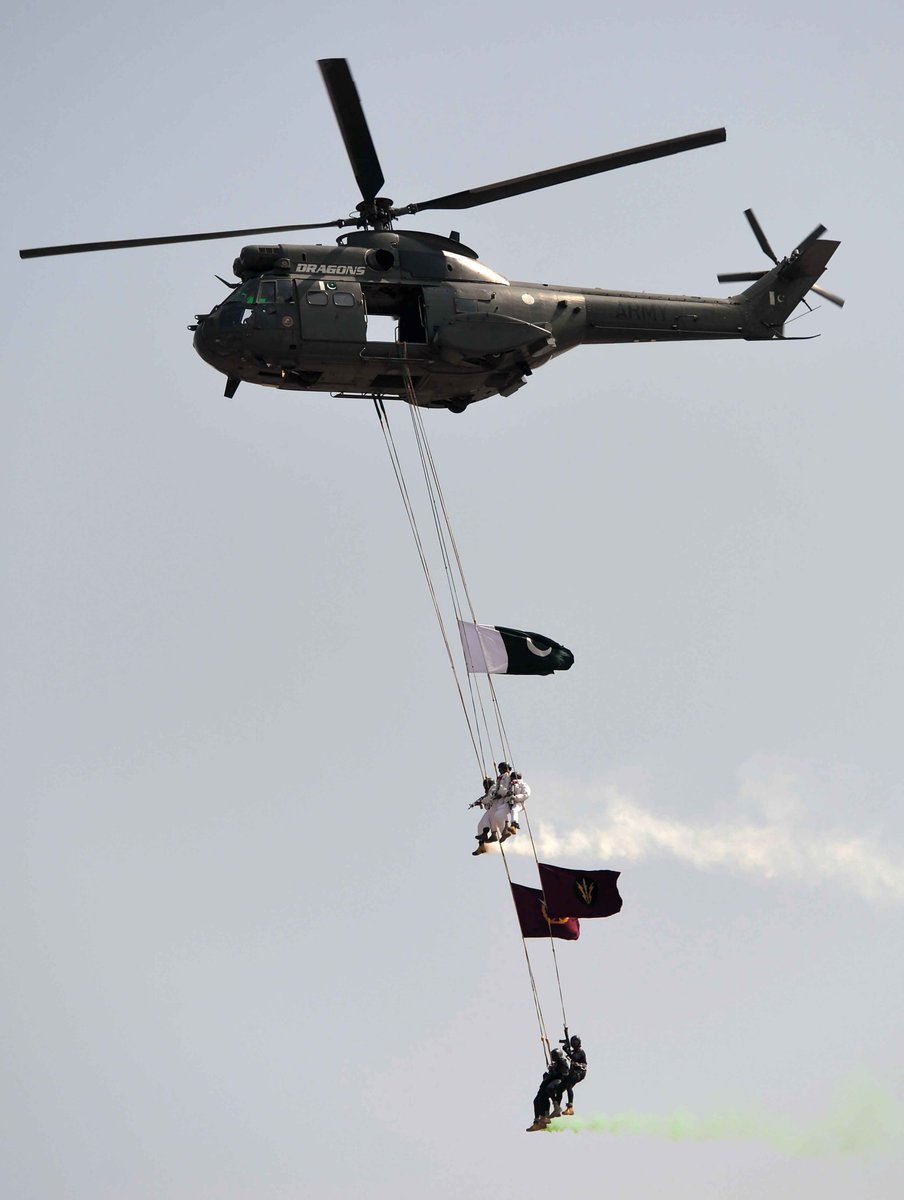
318	298
266	292
243	295
343	299
465	304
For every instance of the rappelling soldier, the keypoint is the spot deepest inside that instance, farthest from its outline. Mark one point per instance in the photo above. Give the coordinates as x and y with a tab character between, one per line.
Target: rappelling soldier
503	780
495	825
577	1071
501	814
484	825
519	792
549	1092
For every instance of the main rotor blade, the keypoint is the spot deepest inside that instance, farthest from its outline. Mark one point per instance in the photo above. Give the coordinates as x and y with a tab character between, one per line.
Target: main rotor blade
759	235
830	296
86	247
352	125
472	197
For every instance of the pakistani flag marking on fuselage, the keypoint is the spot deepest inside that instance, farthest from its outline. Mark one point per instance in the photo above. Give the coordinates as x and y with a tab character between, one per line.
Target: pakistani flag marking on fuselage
499	650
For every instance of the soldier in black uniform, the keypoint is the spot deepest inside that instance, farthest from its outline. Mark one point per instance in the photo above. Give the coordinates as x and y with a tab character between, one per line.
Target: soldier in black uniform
577	1070
551	1087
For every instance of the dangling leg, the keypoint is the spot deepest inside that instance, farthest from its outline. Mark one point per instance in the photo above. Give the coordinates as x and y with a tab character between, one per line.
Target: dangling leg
541	1110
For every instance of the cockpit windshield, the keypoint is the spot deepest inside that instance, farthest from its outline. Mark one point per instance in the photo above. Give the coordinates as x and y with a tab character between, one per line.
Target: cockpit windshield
255	291
245	294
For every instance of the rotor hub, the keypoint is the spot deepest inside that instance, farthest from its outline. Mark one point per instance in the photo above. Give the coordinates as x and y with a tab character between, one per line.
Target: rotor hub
376	213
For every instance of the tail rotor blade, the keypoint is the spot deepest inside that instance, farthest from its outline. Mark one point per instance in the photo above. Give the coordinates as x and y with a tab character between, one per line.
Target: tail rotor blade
830	296
759	235
810	239
352	125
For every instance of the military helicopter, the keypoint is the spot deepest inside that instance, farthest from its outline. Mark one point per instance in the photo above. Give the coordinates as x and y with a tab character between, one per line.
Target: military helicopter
298	318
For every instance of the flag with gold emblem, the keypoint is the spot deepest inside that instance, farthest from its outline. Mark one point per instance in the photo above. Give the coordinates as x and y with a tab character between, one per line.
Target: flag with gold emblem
534	920
571	893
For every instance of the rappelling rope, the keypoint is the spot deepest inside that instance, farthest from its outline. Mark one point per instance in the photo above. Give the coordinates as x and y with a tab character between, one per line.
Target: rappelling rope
429	484
552	940
431	478
421	433
412	521
544	1038
446	539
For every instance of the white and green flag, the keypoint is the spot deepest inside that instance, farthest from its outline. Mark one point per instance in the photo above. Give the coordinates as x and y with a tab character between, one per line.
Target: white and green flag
498	650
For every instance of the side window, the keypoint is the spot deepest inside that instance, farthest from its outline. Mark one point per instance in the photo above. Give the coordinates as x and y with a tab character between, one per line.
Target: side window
317	298
343	299
266	293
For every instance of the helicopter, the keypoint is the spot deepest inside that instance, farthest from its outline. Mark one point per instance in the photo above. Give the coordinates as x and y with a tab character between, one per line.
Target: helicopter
297	316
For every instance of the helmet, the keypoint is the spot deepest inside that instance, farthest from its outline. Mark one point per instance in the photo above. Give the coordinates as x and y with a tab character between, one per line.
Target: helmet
503	766
556	1053
487	782
516	774
575	1042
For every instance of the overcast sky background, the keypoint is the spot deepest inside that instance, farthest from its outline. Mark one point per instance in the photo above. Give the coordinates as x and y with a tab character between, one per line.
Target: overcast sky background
247	953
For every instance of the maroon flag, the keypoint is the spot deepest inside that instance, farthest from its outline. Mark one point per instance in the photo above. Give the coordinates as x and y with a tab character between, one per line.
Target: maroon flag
571	893
534	921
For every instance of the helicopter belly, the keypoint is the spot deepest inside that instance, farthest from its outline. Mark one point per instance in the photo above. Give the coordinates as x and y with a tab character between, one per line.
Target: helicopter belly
283	359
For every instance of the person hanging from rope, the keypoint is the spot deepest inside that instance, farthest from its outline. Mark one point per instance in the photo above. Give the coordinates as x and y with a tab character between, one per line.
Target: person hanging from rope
549	1092
485	802
503	781
495	825
577	1071
518	793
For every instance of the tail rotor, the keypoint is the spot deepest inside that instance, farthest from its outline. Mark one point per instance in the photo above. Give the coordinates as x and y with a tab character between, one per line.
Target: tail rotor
763	241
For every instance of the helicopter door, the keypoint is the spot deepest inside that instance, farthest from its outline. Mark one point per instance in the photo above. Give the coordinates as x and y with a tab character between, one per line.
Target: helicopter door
331	311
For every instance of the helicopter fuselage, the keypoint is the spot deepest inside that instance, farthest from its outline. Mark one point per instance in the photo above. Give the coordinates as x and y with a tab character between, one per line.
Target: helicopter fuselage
299	320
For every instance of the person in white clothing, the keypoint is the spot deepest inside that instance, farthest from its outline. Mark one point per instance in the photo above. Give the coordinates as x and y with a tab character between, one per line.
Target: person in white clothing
518	794
485	802
500	819
503	780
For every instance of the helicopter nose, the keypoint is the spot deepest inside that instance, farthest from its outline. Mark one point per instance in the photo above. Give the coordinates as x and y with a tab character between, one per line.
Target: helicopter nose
213	343
212	329
202	331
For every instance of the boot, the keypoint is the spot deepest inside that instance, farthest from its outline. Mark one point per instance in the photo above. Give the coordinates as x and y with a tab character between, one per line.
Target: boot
556	1111
481	849
569	1112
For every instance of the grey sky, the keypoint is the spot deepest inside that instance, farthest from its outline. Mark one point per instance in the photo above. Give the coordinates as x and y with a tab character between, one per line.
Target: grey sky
246	950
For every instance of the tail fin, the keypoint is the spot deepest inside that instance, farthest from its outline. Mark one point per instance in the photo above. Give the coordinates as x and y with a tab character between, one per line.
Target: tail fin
772	299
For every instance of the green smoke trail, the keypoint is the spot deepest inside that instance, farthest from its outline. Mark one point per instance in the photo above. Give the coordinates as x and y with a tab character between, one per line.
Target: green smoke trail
863	1117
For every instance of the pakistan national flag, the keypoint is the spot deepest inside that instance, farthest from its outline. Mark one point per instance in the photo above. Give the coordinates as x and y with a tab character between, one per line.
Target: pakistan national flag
498	650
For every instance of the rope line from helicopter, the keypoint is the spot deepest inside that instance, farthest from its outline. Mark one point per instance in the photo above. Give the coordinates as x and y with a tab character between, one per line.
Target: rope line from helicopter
449	550
412	521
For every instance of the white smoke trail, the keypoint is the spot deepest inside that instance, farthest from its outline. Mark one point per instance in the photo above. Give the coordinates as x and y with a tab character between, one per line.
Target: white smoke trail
776	847
862	1118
